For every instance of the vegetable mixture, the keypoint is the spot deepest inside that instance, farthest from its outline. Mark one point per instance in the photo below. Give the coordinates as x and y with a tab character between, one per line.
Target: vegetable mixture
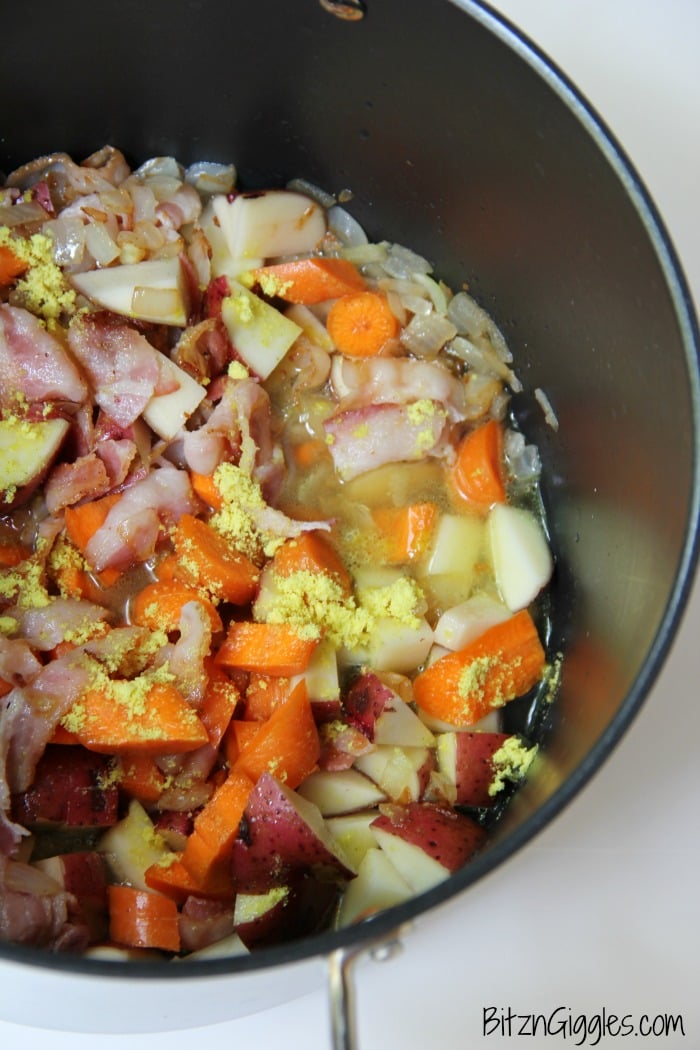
270	558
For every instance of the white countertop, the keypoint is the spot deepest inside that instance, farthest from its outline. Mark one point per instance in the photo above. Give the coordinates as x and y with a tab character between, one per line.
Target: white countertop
602	911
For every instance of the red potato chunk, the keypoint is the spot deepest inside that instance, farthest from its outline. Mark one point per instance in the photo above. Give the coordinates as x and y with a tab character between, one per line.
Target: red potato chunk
281	832
284	913
71	786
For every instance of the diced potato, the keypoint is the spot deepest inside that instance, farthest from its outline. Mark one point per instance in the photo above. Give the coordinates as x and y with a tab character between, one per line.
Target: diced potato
466	621
155	290
168	413
260	334
270	223
456	547
522	562
341	791
352	832
132	845
376	886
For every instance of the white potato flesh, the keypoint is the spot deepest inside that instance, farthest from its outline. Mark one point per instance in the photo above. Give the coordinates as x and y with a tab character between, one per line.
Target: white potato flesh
26	449
353	834
261	335
464	622
456	547
340	791
399	726
250	907
377	885
155	290
401	772
166	414
419	870
132	845
522	561
269	224
321	675
222	262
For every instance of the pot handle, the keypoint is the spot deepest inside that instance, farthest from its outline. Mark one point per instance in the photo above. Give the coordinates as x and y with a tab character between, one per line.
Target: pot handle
341	989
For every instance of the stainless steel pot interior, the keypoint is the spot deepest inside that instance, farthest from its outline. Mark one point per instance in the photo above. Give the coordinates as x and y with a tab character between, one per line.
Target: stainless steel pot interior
458	139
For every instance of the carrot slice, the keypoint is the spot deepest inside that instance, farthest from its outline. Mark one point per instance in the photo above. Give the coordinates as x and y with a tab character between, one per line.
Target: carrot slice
166	569
311	552
361	323
156	721
220	702
159	605
83	521
11	266
478	470
205	487
287	745
143	919
502	663
263	695
175	881
406	531
269	648
140	777
310	281
216	826
207	560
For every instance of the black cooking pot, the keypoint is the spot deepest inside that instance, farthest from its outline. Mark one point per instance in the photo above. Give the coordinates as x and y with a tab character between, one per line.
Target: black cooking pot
459	140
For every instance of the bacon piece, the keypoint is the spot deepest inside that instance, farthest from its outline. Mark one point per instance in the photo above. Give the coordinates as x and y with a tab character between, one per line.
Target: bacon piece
71	482
18	664
123	368
380	380
35	910
133	525
34	365
363	439
45	627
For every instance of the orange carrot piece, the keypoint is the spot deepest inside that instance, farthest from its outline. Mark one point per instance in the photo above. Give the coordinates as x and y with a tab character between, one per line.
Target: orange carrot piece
166	569
12	554
83	521
287	745
175	881
159	605
5	687
143	919
478	470
310	281
158	723
406	531
501	664
205	487
360	324
216	826
211	563
263	695
11	266
141	778
221	699
243	734
311	552
270	648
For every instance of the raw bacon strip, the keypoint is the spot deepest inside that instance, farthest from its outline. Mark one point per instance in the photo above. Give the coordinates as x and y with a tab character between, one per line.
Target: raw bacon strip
45	627
363	439
35	910
33	365
123	368
71	482
380	380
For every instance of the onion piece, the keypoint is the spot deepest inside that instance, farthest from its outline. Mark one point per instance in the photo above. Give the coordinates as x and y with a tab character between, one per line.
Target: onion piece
69	240
365	254
402	262
346	228
309	189
99	243
157	166
434	290
208	177
22	213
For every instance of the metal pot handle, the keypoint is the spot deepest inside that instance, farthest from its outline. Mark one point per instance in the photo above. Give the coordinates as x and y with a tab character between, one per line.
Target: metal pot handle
341	989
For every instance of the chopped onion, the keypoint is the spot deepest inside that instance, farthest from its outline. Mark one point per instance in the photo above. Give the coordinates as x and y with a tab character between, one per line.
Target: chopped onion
473	321
69	240
417	304
309	189
99	243
22	213
483	359
522	460
164	186
425	336
207	177
345	227
144	202
434	290
365	254
157	166
402	262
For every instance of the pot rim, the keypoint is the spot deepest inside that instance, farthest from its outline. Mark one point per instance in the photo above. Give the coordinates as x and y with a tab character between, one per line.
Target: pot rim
384	926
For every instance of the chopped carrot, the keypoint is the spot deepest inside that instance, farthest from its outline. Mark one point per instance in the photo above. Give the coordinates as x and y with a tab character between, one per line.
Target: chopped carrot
61	735
11	266
478	470
311	552
501	664
270	648
12	554
243	733
308	453
74	582
141	778
221	699
216	826
166	569
175	881
205	487
143	919
156	721
5	687
310	281
287	745
83	521
406	531
360	324
159	605
207	560
263	695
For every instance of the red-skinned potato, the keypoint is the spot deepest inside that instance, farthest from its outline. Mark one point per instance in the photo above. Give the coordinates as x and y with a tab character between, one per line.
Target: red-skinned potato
71	786
297	909
403	773
27	450
281	832
425	842
82	874
364	702
478	764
